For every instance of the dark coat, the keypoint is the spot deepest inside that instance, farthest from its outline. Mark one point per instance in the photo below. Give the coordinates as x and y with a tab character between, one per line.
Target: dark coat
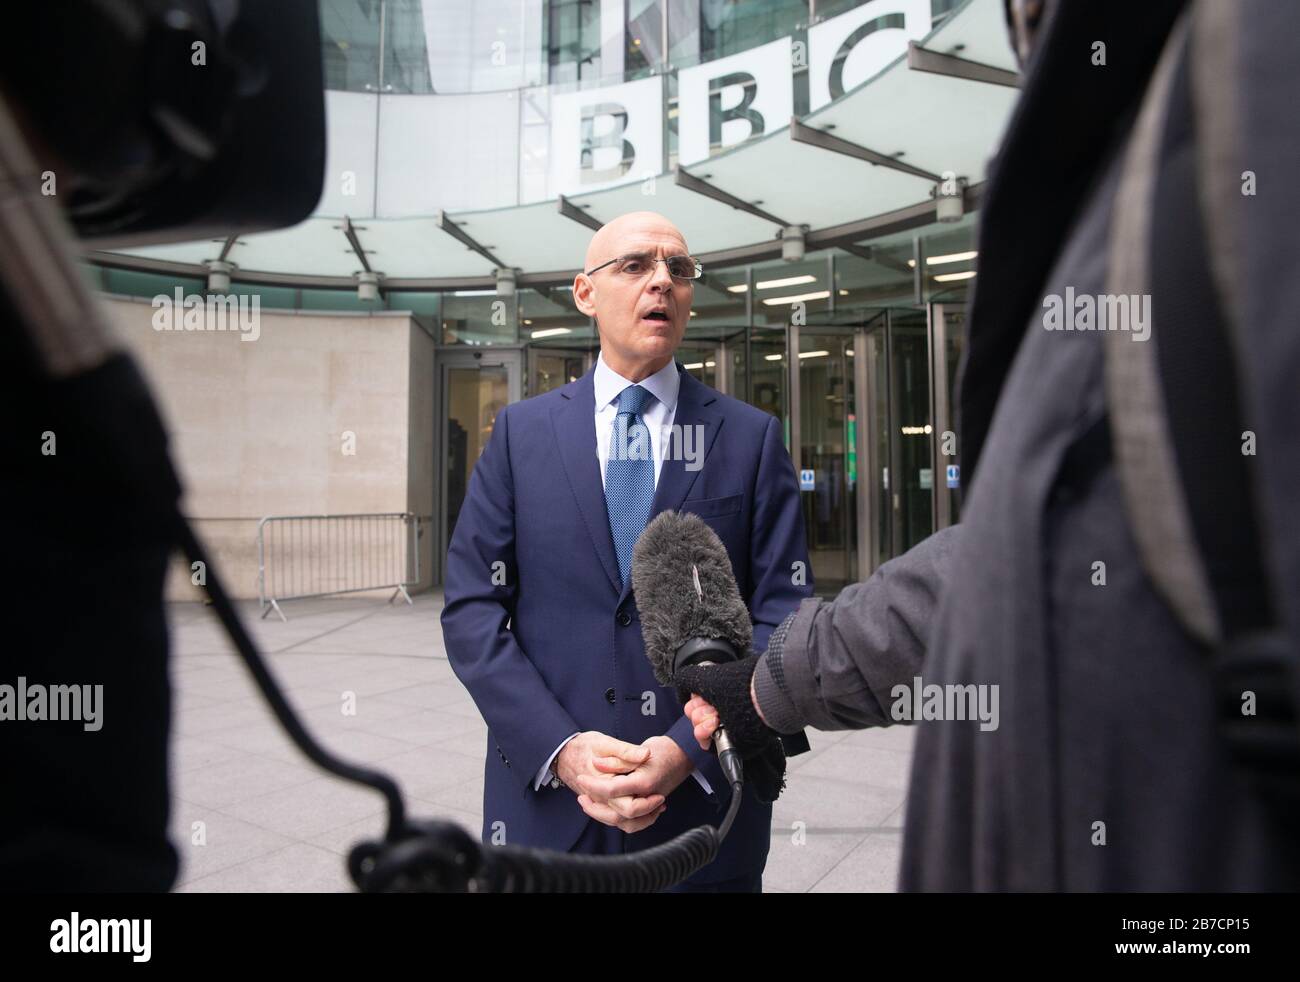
1107	771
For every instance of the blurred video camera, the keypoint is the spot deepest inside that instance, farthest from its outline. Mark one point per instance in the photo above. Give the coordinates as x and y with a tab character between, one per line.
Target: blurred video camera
170	120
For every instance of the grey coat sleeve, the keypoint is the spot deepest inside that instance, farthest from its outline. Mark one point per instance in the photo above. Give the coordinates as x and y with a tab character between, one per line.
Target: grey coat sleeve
831	664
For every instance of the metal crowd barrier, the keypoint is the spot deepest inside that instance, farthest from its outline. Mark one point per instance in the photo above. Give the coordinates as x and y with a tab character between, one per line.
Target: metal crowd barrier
300	556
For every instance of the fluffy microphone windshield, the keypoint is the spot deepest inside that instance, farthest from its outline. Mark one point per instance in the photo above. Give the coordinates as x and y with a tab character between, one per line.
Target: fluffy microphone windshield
684	586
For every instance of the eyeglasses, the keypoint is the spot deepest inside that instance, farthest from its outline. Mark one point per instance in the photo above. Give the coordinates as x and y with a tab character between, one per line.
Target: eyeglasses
642	264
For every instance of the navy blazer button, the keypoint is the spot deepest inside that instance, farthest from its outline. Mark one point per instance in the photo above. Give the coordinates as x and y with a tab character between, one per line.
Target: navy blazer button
624	618
609	696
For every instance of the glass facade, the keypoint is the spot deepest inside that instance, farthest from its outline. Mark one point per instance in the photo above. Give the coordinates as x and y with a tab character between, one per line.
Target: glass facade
850	349
573	41
350	45
855	349
477	317
454	46
503	79
855	354
727	29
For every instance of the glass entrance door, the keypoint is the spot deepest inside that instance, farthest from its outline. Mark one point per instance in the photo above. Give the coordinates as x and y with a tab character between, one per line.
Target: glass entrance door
828	453
911	469
871	371
474	387
700	357
870	416
947	344
550	368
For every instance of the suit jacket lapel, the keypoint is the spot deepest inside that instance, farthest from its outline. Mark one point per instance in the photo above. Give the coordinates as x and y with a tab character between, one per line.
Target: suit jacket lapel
574	422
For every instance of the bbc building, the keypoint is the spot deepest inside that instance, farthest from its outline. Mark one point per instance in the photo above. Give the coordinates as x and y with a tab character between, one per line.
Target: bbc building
824	160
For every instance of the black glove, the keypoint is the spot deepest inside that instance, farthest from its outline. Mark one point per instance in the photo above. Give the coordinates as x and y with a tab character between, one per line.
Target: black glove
765	774
726	687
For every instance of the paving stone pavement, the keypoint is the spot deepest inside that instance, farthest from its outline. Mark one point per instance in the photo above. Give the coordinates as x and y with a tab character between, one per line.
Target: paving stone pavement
372	682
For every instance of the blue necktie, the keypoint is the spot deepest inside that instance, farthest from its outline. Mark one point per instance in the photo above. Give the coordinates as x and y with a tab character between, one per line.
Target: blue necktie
629	475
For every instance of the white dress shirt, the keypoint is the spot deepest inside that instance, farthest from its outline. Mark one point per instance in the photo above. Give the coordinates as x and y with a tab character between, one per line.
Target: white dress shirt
657	414
658	417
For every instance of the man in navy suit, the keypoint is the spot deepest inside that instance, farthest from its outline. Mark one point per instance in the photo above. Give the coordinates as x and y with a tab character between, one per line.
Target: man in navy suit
540	623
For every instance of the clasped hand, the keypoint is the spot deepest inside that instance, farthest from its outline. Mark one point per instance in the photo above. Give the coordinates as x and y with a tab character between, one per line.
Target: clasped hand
622	784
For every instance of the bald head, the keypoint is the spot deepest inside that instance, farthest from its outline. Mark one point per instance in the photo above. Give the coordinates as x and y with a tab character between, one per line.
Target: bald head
637	231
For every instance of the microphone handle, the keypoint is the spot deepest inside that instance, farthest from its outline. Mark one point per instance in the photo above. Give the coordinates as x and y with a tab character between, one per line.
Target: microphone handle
733	766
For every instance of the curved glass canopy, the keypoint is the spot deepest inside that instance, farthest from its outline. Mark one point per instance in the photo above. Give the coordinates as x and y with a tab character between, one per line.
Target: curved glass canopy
864	124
